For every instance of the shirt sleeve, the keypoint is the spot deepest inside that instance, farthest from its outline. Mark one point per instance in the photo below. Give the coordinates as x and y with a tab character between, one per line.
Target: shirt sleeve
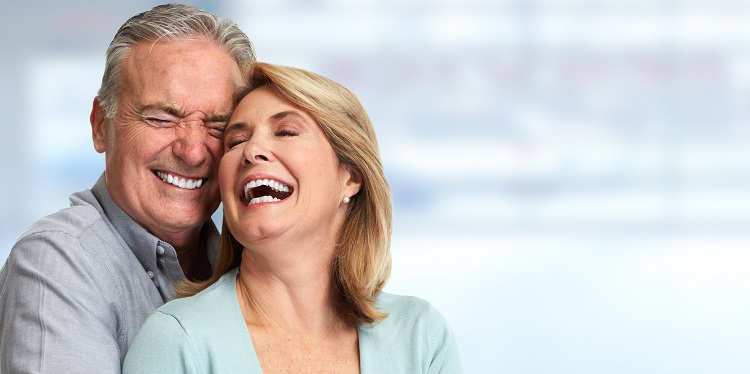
161	346
445	358
55	316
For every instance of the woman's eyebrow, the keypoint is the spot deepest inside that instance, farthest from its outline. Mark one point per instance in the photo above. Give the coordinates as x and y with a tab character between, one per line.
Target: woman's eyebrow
235	126
275	118
281	115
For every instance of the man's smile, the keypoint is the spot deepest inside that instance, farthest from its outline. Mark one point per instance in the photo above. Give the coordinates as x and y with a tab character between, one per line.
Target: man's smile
178	181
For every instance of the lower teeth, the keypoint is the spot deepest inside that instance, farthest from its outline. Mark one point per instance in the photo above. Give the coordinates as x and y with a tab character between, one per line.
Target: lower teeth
262	199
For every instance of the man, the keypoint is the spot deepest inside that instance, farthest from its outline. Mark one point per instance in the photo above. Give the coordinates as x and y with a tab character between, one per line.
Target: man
79	283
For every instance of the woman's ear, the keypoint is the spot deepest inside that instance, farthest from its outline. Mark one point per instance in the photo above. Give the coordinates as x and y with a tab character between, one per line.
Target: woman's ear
353	181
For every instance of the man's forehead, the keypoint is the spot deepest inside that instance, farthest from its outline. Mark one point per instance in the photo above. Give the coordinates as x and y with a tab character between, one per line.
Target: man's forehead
193	76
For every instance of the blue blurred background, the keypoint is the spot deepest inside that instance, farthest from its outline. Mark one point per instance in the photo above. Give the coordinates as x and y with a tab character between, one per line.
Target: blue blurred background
571	178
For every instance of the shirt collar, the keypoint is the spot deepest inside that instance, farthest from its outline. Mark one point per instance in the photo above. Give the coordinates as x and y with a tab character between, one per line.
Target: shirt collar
141	242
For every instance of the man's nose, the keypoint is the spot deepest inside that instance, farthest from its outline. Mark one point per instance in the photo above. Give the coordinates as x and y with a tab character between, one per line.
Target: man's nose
190	145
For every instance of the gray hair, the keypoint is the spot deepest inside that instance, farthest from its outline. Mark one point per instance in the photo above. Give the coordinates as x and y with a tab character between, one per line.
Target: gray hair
171	21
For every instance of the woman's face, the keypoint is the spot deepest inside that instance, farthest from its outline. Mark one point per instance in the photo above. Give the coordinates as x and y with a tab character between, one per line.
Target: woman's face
279	176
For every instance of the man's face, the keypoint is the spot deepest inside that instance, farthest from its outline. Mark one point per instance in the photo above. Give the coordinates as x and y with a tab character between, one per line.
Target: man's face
164	145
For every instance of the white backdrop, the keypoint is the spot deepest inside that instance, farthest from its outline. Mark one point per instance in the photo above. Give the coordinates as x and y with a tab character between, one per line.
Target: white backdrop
571	178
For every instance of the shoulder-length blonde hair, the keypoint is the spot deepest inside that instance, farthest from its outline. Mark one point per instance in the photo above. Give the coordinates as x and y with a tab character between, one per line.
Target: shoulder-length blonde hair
362	260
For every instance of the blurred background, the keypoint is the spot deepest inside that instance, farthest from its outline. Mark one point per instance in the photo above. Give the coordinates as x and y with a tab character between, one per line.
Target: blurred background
571	178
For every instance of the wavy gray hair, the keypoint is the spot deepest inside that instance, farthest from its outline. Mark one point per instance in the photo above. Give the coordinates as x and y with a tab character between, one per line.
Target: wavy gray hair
168	21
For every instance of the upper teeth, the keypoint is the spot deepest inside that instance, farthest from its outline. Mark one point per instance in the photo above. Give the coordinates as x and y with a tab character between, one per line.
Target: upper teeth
267	182
179	182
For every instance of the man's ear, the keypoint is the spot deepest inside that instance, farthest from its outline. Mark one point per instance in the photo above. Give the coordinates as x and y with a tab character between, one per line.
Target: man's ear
99	126
354	183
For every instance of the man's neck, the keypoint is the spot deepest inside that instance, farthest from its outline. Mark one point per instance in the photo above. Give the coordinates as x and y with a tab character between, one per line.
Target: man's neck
193	256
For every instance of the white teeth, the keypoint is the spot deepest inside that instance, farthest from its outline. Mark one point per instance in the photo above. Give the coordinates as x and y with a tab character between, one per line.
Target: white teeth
188	184
250	185
262	199
278	186
275	185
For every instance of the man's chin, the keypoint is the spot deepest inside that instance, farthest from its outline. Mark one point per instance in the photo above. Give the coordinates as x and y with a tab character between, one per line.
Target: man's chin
180	220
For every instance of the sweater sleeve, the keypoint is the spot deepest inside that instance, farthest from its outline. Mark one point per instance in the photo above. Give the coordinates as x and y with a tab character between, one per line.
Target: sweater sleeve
161	346
443	345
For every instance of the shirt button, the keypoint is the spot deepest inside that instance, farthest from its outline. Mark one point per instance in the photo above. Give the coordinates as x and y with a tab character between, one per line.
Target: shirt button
160	250
150	274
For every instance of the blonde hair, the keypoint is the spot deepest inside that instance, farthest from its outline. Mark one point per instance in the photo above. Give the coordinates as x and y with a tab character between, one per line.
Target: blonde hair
362	260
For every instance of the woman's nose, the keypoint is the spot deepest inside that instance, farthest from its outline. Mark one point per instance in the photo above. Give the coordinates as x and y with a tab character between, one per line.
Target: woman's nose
256	152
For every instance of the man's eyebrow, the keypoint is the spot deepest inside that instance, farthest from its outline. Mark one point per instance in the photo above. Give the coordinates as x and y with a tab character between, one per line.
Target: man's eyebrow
219	118
167	108
180	113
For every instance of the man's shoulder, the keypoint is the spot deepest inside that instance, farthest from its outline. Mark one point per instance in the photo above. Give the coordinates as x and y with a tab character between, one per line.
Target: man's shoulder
74	220
76	233
75	249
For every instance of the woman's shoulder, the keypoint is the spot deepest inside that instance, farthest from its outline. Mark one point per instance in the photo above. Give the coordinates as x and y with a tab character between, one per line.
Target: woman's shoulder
214	298
402	305
408	311
414	332
204	331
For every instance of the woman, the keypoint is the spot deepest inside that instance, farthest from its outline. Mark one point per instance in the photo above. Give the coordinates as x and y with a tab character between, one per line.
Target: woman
305	250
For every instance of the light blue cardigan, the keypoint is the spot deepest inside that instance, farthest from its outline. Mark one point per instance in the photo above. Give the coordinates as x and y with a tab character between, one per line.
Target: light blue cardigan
206	333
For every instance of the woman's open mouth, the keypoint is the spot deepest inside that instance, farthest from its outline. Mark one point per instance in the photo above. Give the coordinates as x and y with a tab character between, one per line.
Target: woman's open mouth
265	191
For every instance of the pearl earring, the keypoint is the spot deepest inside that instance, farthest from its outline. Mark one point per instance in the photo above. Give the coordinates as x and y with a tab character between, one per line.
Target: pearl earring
346	200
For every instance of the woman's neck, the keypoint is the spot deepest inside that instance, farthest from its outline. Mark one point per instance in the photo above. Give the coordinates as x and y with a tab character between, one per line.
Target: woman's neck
290	289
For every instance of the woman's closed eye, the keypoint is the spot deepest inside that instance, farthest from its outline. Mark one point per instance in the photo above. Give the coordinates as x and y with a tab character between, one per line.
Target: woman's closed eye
286	132
234	141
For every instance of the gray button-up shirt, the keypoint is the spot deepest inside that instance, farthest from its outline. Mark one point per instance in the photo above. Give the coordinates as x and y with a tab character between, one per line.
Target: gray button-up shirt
78	285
